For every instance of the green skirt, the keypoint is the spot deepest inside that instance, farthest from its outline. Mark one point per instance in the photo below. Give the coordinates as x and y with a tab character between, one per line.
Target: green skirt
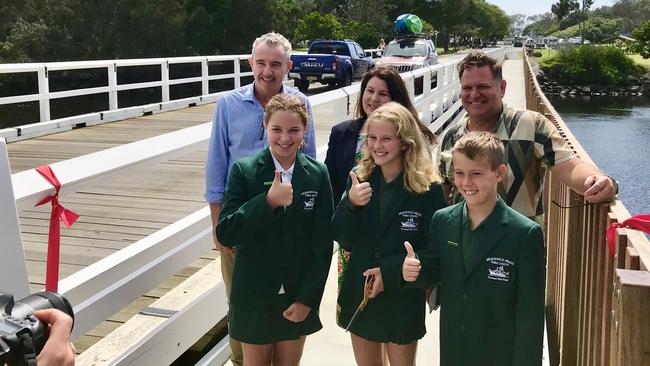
268	325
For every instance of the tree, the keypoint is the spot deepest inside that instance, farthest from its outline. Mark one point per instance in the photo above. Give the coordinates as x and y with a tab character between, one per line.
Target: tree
642	35
363	33
315	26
26	35
596	29
517	24
204	31
448	16
542	24
633	12
287	13
584	14
563	8
487	21
245	21
370	12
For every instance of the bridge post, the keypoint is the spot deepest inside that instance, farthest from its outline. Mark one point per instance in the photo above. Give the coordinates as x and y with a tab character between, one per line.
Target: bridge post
630	320
164	77
205	84
237	71
13	269
112	84
44	94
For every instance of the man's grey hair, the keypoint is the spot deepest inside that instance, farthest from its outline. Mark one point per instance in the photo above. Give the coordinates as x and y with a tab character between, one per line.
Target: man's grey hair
273	39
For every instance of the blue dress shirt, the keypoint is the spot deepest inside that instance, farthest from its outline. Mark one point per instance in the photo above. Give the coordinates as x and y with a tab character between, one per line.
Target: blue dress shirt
237	132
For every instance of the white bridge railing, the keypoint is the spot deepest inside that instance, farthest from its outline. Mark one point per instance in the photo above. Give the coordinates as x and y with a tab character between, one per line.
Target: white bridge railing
115	112
103	288
111	68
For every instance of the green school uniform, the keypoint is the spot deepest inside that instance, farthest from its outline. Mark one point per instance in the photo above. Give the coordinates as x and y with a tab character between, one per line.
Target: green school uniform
377	240
288	249
491	287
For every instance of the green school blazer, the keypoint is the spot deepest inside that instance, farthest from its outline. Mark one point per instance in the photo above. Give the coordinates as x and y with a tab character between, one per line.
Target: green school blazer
492	313
397	314
290	248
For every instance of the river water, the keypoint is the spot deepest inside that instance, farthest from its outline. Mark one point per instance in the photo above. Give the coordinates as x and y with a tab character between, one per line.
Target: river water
615	131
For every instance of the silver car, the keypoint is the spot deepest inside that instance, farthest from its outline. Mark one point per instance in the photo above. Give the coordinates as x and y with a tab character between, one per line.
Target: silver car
408	53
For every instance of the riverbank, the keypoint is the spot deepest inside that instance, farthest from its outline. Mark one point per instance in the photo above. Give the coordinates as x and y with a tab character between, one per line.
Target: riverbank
551	84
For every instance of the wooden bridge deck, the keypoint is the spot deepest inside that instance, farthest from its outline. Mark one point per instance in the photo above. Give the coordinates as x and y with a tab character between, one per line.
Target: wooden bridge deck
118	212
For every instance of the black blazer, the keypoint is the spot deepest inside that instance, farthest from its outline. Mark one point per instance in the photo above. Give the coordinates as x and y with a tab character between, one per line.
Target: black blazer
340	154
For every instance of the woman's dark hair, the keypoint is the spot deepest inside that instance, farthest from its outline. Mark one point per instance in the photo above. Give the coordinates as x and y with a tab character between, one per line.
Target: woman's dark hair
398	93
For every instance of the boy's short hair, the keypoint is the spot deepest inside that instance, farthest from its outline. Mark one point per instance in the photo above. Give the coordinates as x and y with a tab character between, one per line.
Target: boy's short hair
480	144
476	59
286	102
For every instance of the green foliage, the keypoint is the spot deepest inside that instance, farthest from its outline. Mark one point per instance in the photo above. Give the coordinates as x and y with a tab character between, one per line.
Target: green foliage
543	25
490	21
642	35
447	16
563	8
633	12
639	60
589	64
363	33
316	26
286	14
596	29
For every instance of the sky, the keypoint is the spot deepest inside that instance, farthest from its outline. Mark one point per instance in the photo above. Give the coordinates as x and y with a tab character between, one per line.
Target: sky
534	7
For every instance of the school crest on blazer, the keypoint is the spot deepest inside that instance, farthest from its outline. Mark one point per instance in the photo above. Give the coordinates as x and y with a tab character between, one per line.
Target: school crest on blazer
309	199
409	220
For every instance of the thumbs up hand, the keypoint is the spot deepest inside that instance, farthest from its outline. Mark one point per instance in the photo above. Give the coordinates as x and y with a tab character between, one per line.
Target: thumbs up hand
360	193
411	266
280	194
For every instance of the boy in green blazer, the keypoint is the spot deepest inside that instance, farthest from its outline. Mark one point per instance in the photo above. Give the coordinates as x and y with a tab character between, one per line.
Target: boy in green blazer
489	260
276	212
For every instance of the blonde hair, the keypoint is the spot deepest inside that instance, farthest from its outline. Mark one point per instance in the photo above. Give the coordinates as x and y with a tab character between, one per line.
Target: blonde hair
419	172
481	144
286	102
273	39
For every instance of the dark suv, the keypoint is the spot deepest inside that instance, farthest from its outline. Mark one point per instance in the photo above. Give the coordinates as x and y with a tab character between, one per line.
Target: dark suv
408	53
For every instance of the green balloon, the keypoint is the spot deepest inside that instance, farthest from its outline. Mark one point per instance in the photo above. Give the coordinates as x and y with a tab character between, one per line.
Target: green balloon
414	23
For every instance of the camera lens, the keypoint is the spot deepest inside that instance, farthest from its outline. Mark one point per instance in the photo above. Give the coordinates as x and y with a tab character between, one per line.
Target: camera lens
43	300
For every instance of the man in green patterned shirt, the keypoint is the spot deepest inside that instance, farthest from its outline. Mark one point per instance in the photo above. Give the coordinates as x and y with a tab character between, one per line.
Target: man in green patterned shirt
531	143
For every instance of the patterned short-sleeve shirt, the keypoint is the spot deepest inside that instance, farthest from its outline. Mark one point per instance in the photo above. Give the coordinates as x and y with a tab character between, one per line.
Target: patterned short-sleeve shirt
531	143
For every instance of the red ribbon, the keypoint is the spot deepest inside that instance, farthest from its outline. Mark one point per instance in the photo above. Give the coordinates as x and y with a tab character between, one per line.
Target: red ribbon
638	222
54	238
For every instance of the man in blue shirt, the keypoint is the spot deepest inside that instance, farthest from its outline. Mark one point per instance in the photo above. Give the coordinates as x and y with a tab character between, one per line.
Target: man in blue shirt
238	131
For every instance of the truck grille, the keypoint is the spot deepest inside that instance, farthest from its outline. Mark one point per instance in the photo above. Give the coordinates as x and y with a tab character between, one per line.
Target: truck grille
402	68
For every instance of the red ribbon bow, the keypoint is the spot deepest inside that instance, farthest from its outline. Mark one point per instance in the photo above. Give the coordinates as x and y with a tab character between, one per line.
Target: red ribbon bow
54	238
638	222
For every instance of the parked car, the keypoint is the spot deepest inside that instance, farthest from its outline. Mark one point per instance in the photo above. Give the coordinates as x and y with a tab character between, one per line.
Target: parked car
518	42
408	53
330	62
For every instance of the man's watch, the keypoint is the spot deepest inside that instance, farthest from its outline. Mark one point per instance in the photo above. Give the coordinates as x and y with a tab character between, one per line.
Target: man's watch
615	183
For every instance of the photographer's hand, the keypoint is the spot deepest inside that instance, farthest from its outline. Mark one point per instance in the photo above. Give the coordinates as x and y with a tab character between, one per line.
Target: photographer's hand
58	350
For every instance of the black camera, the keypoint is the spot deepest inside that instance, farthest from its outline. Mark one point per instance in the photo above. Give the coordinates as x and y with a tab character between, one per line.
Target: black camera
22	335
